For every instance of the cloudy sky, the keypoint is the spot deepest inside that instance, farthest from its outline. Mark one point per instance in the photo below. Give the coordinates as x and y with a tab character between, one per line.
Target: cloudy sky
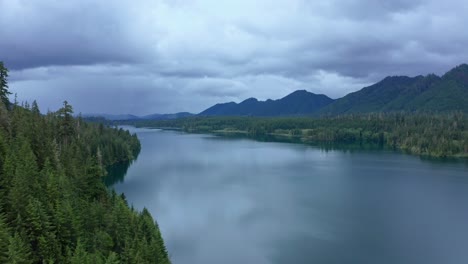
161	56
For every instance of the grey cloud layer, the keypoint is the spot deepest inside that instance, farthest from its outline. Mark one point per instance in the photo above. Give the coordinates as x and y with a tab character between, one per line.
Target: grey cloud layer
45	33
189	54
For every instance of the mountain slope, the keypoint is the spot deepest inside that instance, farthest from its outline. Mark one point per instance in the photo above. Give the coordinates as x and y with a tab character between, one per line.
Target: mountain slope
134	117
54	206
297	103
450	94
401	93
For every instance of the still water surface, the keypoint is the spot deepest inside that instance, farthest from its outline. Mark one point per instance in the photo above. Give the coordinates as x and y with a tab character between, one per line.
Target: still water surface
222	200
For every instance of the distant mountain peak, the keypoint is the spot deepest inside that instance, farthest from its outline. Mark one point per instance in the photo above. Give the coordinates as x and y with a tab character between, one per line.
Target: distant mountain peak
397	78
300	92
250	100
134	117
460	68
166	116
458	74
403	93
114	117
228	103
300	102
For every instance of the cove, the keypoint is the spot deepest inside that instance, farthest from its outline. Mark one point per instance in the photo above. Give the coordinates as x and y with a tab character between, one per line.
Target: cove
231	200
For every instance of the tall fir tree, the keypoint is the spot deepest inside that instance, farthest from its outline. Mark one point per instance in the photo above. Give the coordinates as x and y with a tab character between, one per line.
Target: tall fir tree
4	93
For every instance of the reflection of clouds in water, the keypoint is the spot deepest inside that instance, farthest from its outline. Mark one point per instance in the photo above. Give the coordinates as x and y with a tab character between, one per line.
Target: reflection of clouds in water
241	201
214	233
224	201
234	215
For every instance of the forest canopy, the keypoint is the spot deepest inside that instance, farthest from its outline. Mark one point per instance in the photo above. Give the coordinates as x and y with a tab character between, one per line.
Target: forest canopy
54	206
437	135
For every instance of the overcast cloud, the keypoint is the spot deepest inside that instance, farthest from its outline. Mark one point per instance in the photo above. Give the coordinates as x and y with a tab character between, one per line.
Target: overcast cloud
160	56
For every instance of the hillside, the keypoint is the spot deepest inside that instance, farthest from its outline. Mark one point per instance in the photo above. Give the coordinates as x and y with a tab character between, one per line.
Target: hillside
54	206
448	94
297	103
429	93
123	117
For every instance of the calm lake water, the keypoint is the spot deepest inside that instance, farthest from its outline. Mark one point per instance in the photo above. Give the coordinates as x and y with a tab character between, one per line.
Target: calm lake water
224	200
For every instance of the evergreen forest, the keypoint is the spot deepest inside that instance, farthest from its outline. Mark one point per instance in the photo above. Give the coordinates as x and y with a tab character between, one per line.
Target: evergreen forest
54	206
425	134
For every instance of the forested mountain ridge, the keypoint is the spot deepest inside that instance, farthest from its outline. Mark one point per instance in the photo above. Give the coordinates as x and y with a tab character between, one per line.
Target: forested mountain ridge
54	207
429	93
299	102
450	93
390	94
94	117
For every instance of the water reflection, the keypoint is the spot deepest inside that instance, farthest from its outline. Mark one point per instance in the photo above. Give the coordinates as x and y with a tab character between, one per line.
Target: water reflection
221	200
343	147
116	173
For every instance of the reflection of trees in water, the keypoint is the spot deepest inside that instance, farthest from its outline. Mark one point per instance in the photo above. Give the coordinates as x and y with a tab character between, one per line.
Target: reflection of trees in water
333	146
116	173
330	146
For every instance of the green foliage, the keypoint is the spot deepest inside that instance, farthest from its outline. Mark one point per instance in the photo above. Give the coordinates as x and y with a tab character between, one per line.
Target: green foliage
4	85
400	93
54	206
4	238
440	135
18	250
66	126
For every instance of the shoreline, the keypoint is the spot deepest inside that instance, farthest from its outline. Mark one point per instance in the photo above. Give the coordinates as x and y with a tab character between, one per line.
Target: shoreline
302	139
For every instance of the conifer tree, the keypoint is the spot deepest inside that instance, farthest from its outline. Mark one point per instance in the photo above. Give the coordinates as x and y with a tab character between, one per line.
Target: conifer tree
4	238
54	206
4	93
80	256
66	126
18	251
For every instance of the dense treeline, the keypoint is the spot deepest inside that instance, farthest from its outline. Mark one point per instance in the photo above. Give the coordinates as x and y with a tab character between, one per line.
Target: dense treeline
54	207
439	135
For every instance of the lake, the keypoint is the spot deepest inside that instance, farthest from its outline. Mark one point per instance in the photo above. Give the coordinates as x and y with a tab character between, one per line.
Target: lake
231	200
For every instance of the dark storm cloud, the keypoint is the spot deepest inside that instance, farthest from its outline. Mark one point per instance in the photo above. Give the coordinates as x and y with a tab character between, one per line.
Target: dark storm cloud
186	55
91	91
374	9
45	33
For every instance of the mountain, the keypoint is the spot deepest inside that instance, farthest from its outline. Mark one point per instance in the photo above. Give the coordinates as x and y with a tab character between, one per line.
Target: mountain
401	93
166	116
299	102
113	117
390	94
449	94
429	93
220	109
134	117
